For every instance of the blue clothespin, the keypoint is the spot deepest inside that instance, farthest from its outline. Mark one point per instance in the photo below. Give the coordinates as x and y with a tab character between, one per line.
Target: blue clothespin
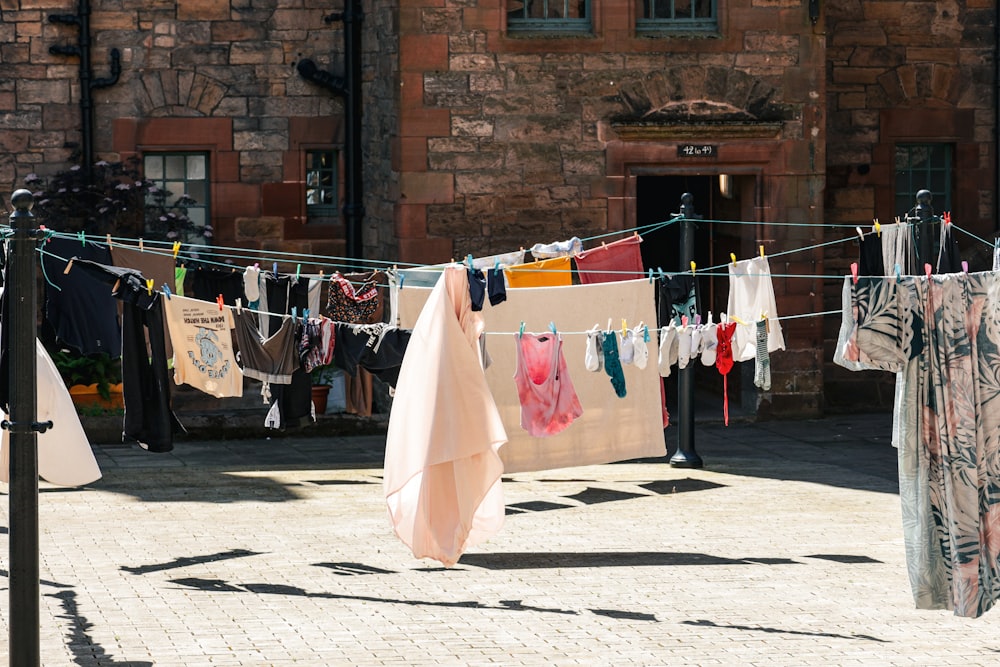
496	267
521	330
645	334
166	290
305	316
651	276
660	271
468	260
275	267
899	277
83	238
552	327
402	277
295	313
298	268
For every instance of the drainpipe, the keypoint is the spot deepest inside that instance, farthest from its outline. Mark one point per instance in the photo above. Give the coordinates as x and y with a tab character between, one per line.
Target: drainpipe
87	79
348	87
996	119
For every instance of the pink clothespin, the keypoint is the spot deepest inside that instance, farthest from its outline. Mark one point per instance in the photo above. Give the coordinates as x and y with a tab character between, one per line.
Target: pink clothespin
854	272
946	216
927	269
965	266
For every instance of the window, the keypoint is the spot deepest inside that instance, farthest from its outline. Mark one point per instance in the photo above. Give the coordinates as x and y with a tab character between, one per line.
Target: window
550	16
657	16
182	186
321	185
923	167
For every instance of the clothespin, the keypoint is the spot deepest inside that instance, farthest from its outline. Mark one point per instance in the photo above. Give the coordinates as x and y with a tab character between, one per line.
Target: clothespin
496	267
402	277
520	332
732	256
107	237
651	276
239	305
965	266
878	227
552	327
298	269
468	260
684	320
166	291
693	267
860	233
697	319
737	320
762	251
142	248
927	269
609	325
219	301
767	322
114	288
295	313
149	286
305	316
274	268
899	276
645	333
83	238
256	265
946	217
69	265
624	328
854	272
177	248
659	271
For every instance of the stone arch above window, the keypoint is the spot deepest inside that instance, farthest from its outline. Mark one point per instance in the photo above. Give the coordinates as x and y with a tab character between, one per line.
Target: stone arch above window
179	93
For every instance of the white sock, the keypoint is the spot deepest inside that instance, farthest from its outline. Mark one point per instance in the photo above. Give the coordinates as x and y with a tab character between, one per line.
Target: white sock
668	349
641	351
592	358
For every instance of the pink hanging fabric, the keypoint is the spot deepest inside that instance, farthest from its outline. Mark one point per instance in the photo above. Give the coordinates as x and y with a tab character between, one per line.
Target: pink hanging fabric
549	403
621	260
442	470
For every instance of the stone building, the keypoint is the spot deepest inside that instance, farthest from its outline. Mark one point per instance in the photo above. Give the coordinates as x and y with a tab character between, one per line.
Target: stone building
490	125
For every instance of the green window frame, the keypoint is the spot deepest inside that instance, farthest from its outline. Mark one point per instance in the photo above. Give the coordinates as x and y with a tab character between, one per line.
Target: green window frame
322	176
549	16
181	174
681	16
923	167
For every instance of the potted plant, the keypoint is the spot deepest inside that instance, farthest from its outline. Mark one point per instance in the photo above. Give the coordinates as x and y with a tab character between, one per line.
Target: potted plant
322	382
92	379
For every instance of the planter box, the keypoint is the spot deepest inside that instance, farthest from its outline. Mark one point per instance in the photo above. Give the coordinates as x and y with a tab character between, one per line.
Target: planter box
86	396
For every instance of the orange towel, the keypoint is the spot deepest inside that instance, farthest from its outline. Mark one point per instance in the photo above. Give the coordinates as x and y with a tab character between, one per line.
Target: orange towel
546	273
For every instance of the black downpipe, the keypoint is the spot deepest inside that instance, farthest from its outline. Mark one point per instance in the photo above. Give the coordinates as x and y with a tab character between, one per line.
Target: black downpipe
996	120
87	80
348	87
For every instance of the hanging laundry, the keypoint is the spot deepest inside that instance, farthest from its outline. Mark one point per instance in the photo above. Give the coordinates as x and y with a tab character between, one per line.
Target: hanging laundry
347	303
497	286
567	248
611	428
724	361
291	404
203	340
946	424
546	273
65	457
180	276
678	297
621	260
870	255
612	364
477	288
272	359
207	284
751	295
847	353
149	420
710	342
669	351
317	343
949	259
427	276
251	285
79	308
549	403
594	352
641	350
377	348
315	292
273	304
684	333
762	366
154	266
897	248
442	471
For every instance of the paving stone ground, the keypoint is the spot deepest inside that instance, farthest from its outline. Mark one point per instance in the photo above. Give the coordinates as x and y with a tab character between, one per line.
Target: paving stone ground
785	549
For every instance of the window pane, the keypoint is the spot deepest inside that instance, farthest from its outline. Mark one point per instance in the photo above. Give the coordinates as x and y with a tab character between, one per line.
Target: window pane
682	9
175	166
196	191
195	167
153	167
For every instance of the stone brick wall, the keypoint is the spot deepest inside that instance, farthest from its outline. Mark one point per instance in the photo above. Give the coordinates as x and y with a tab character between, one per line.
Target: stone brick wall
916	72
216	75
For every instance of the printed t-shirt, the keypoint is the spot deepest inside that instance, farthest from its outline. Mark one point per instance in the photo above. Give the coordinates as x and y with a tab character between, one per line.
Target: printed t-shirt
203	346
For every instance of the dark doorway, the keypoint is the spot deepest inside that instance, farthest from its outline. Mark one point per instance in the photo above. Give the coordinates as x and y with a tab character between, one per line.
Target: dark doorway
658	198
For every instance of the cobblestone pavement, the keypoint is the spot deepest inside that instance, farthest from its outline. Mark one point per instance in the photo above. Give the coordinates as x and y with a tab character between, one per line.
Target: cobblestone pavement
785	549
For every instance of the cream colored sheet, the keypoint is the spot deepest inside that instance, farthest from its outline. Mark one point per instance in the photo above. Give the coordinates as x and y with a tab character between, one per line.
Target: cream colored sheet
611	428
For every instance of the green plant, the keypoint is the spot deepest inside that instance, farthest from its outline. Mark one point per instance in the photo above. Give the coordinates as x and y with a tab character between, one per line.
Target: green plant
324	375
113	199
99	369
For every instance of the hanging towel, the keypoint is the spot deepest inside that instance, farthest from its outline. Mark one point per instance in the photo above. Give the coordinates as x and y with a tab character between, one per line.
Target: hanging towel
751	294
546	273
442	470
610	428
621	259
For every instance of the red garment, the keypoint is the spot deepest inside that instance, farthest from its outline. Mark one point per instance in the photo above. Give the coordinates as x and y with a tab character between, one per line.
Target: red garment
724	361
549	402
620	259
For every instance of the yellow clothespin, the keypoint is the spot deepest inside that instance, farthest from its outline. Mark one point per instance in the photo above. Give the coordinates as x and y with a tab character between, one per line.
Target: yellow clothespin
737	320
762	251
732	256
141	247
767	322
878	229
693	267
624	328
177	248
149	286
